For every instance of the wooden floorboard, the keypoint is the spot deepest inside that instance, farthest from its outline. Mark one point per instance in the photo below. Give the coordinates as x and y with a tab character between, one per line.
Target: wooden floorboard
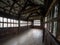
30	37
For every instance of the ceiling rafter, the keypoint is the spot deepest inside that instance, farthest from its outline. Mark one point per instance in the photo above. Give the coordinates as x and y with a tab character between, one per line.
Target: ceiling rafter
34	18
3	2
30	10
22	7
19	12
18	4
27	3
12	6
27	14
7	10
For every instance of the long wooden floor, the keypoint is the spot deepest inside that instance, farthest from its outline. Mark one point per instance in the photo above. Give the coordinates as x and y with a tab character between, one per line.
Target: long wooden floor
30	37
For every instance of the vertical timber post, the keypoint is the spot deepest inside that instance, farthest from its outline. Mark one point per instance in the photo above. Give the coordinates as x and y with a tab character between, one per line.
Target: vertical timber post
19	25
27	24
42	27
32	24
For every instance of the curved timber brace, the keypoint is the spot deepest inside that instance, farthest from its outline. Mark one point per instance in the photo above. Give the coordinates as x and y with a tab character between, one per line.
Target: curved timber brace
27	3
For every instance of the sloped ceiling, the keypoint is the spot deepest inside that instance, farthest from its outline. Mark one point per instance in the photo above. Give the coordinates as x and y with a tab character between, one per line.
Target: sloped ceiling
23	8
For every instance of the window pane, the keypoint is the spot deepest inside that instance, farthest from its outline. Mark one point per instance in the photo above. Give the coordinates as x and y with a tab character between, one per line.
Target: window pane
5	24
55	28
45	25
1	25
5	19
15	21
56	11
29	23
11	20
8	20
15	25
36	22
1	19
45	19
8	25
23	21
23	24
11	25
